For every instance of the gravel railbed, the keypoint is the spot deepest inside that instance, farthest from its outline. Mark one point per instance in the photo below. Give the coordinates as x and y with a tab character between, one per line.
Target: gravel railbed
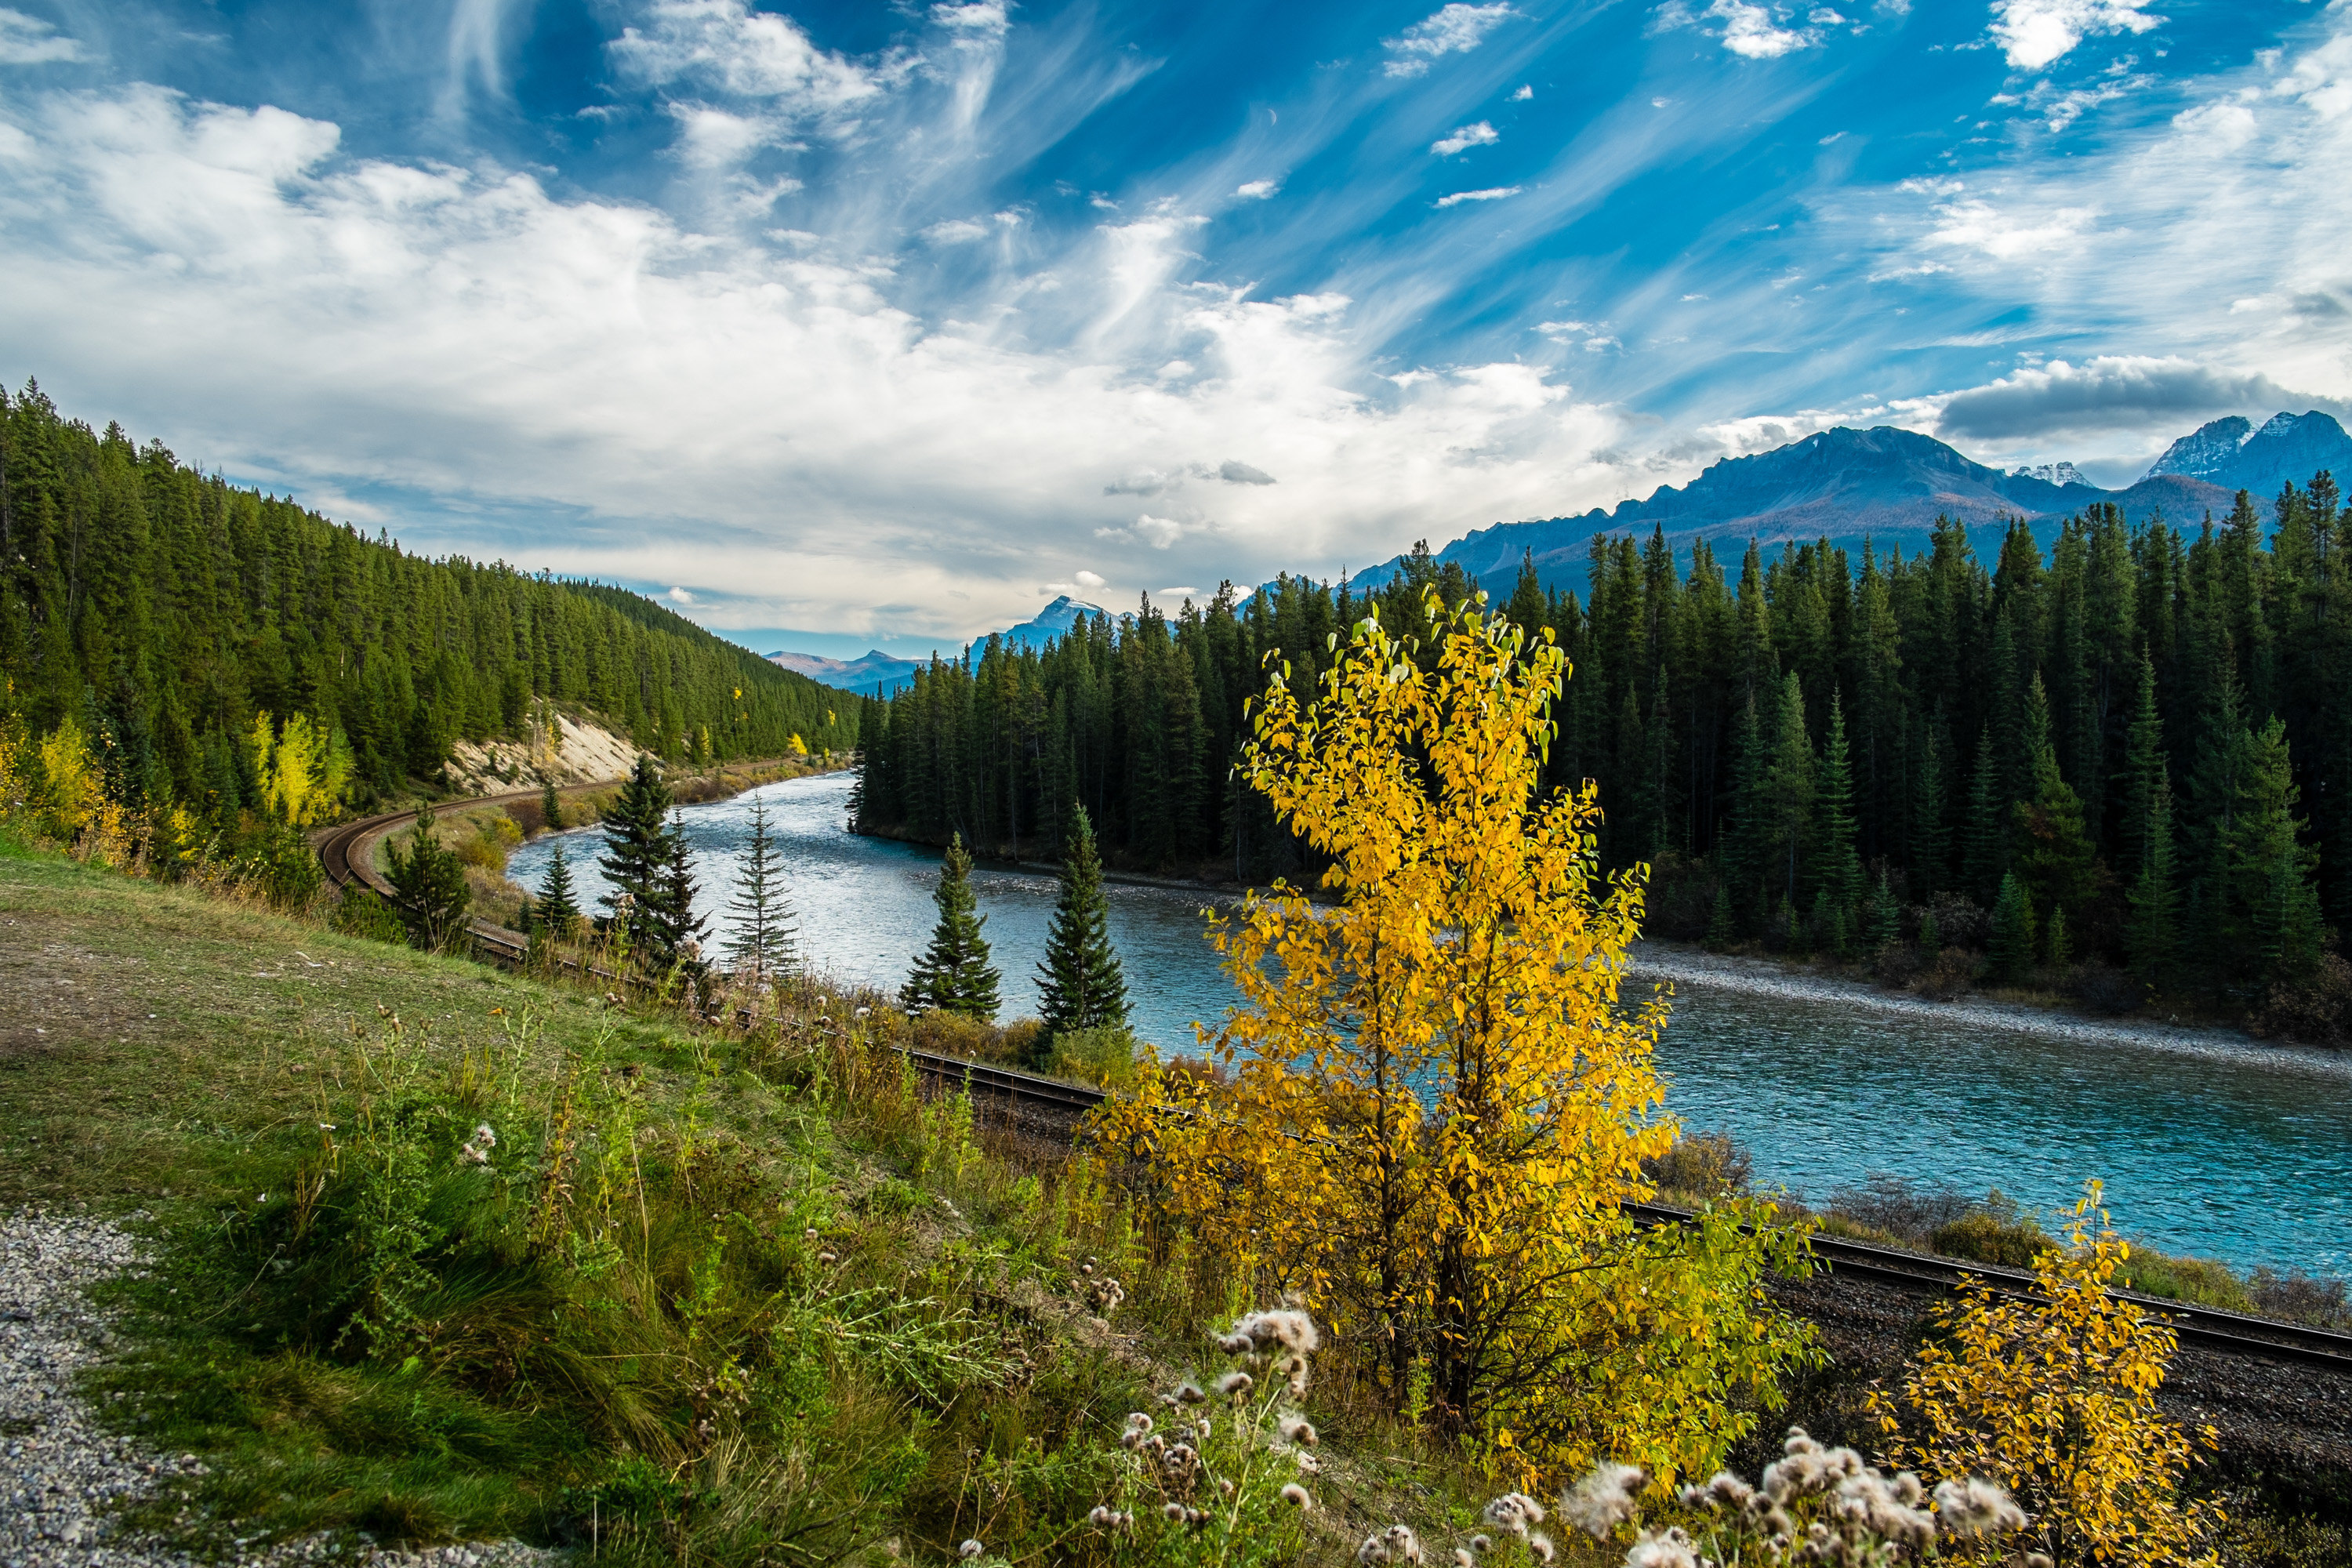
63	1476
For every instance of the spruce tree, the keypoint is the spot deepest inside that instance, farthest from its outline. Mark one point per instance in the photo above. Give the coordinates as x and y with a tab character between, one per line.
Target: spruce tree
1838	866
558	904
637	859
1882	916
954	976
2013	930
1079	983
2152	942
550	806
2271	889
2144	772
761	947
1931	835
1790	787
1721	930
1987	837
2053	856
430	884
674	933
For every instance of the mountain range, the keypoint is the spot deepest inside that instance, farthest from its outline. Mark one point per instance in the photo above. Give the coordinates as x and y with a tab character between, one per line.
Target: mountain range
878	674
1892	485
1886	484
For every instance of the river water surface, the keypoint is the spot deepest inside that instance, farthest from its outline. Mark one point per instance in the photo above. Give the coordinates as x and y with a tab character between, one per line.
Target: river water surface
2211	1146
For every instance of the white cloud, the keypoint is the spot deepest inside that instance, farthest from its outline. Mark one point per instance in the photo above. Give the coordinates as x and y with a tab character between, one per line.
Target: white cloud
679	597
1185	592
458	345
1088	580
1457	29
1495	193
29	41
728	46
986	19
1524	94
1464	137
1258	190
2033	33
2006	235
1750	31
1158	532
956	231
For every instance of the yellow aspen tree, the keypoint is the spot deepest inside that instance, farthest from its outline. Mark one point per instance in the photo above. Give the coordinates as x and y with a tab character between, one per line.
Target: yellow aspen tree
69	779
1434	1102
2054	1397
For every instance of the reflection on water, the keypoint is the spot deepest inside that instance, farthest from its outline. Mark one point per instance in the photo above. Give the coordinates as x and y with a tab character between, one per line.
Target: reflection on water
2244	1156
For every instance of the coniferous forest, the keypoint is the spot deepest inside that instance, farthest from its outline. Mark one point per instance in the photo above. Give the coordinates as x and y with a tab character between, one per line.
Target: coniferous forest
164	610
2133	747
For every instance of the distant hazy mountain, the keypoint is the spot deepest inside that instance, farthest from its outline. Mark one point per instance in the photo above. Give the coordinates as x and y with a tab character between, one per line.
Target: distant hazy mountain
1887	483
2232	454
875	674
1054	620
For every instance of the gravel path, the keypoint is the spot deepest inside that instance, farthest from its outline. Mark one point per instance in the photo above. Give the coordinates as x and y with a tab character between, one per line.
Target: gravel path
62	1475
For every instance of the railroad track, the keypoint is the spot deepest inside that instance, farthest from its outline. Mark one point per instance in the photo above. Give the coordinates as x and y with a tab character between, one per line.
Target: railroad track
345	851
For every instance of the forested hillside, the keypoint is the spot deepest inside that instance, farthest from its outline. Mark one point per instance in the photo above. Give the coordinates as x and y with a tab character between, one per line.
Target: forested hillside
165	610
2137	747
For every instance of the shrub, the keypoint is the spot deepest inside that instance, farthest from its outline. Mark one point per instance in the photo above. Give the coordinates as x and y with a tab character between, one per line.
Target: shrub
1103	1057
1896	1207
1995	1232
1959	922
1947	976
2317	1009
1896	965
2299	1296
1702	1165
2202	1281
359	913
2104	989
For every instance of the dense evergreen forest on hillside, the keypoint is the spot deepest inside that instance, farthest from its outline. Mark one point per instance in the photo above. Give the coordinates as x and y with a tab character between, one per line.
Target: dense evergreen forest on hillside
164	610
2135	746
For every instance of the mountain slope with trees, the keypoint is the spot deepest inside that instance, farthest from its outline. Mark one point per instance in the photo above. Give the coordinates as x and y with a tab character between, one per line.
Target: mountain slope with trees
164	609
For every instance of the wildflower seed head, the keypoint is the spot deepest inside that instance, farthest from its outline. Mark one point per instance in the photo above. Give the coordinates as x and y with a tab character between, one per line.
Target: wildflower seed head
970	1550
1190	1394
1235	1344
1224	1488
1539	1547
1604	1499
1297	1429
1403	1546
1977	1507
1662	1549
1482	1544
1462	1558
1235	1385
1308	1465
1174	1511
1296	1496
1137	1421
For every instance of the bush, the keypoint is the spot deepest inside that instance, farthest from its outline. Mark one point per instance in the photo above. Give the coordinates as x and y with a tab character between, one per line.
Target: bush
1947	976
361	912
1959	922
1898	1207
1104	1057
2301	1297
2104	989
2316	1010
2199	1281
1995	1232
1896	965
1702	1166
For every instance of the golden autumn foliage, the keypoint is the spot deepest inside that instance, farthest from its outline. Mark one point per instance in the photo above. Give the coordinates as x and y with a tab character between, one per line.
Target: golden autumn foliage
1436	1102
303	769
2054	1398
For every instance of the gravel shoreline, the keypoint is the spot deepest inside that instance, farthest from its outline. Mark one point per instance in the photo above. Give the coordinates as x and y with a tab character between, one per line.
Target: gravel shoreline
63	1476
1691	966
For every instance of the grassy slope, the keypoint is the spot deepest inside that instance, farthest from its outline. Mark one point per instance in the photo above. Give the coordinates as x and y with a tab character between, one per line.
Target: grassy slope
166	1052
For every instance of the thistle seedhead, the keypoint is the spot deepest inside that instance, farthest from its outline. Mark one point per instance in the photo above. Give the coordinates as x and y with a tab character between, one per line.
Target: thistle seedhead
1604	1499
1296	1496
1295	1429
1976	1508
1174	1511
1662	1549
1539	1547
1235	1385
969	1550
1190	1394
1137	1421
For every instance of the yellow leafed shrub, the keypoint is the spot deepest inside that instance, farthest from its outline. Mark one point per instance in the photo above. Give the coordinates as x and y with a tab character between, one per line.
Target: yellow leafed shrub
1435	1106
2055	1399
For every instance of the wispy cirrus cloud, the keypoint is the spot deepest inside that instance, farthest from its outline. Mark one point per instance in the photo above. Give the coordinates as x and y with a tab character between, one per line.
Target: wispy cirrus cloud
1464	137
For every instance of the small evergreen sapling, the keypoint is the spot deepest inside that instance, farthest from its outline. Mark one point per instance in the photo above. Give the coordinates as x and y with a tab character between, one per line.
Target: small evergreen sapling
431	884
954	974
550	806
1079	985
761	947
2013	930
559	904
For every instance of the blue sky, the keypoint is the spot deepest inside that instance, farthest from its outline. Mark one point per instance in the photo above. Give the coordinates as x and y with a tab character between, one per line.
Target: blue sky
841	325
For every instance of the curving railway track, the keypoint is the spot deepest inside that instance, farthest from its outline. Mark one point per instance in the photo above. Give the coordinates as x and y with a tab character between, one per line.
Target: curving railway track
347	852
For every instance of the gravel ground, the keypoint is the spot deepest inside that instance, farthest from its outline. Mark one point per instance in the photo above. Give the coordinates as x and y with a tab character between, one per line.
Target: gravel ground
63	1476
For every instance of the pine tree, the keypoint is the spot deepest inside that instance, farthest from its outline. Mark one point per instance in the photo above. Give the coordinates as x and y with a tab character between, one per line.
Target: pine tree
2053	856
1722	930
431	888
2270	870
2058	948
550	806
954	974
559	905
636	860
2013	930
1790	786
1838	866
1987	839
1883	917
673	931
1931	834
2144	772
1079	983
761	947
2153	940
